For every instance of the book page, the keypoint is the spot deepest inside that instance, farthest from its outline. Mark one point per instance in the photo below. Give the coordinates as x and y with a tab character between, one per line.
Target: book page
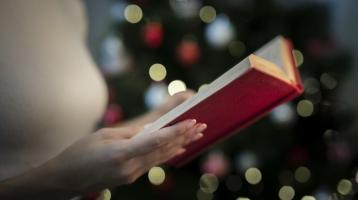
272	52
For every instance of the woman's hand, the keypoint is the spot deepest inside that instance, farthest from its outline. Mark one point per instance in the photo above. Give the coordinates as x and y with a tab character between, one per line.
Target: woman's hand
110	157
116	156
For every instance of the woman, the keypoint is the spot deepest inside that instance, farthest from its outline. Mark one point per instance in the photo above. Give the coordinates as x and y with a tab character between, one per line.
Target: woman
51	98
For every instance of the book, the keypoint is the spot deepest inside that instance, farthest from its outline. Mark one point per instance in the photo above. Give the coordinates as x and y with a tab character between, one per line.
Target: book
239	97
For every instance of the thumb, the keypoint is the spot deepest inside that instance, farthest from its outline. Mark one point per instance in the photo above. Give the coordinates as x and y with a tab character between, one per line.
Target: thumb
146	142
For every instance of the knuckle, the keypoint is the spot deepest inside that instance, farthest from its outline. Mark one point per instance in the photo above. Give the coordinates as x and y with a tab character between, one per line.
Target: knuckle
118	154
157	141
180	128
136	129
128	175
105	133
131	179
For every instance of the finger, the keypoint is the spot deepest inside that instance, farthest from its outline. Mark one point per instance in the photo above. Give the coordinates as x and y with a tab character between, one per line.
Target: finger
119	133
195	133
146	142
182	96
159	157
183	141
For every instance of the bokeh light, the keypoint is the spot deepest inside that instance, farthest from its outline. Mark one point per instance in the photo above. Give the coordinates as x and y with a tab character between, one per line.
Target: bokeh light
236	48
302	174
133	13
201	195
356	177
298	56
253	176
308	198
156	94
245	160
216	163
311	85
157	72
207	14
344	186
185	8
156	175
286	193
322	193
305	108
283	115
209	183
328	81
105	195
242	198
330	135
220	32
202	87
176	86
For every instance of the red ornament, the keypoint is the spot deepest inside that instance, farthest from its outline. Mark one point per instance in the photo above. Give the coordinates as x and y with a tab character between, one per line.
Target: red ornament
188	52
216	163
112	115
153	34
298	156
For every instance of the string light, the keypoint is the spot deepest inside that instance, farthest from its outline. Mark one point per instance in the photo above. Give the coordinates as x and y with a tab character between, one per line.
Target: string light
105	195
328	81
156	175
302	174
176	86
286	193
200	195
298	56
283	115
311	85
308	198
209	183
157	72
156	94
246	159
253	176
305	108
207	14
220	32
344	186
133	13
202	87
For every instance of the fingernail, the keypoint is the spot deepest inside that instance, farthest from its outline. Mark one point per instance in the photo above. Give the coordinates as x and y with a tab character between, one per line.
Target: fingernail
191	123
180	151
197	137
201	127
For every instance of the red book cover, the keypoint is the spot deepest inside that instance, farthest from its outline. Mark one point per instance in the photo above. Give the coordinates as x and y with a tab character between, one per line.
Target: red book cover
242	95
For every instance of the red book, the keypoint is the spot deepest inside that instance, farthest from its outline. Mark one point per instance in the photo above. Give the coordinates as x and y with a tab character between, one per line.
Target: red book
239	97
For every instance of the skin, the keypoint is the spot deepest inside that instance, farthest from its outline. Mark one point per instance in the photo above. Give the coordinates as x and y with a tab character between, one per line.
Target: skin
109	157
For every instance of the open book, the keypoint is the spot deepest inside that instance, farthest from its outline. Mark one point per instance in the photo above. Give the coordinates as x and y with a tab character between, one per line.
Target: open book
239	97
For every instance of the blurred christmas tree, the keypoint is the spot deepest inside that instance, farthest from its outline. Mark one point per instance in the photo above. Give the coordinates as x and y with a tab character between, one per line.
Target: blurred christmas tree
157	48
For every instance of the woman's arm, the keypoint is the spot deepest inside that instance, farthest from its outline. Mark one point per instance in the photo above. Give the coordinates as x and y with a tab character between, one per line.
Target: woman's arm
107	158
39	183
